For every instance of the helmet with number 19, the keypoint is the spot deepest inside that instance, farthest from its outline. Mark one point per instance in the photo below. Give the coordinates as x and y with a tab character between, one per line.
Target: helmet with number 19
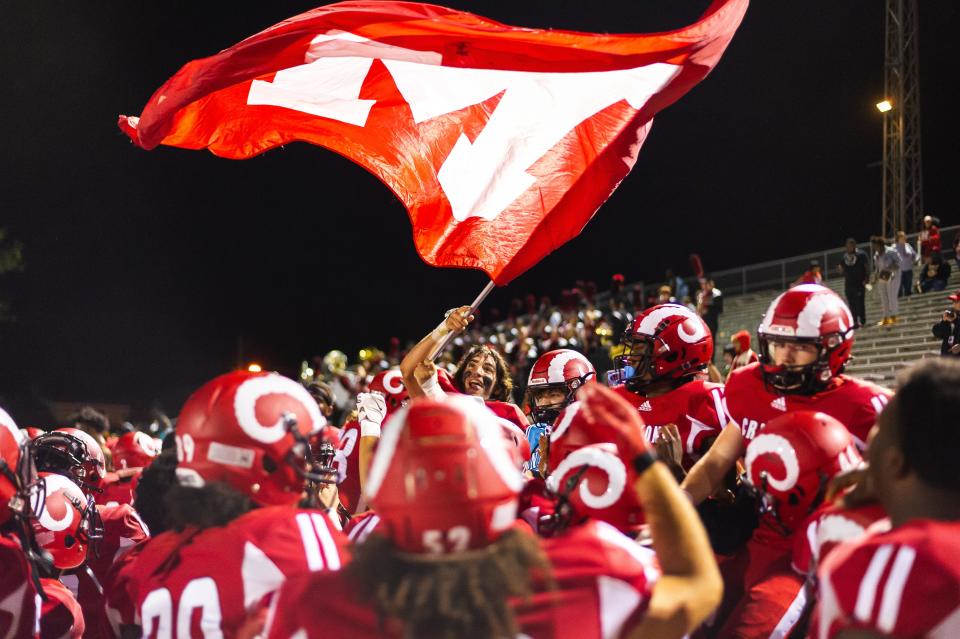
444	478
249	430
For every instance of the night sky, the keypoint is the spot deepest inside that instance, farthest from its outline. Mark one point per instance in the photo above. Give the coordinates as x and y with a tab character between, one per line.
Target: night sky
143	270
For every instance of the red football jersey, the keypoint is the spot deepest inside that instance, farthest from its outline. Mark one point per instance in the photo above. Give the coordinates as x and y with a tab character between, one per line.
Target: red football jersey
604	581
119	487
854	402
695	407
900	583
202	583
121	610
19	602
831	525
535	504
122	529
347	462
60	615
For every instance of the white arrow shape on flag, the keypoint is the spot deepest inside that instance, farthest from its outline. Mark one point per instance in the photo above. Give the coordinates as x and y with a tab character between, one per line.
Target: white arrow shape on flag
480	179
536	112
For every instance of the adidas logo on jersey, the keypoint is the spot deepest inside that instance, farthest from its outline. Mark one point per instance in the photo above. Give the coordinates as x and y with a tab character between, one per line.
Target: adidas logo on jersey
780	403
646	407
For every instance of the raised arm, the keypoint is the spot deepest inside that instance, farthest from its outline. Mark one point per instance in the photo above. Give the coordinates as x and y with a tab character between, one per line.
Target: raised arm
690	587
426	348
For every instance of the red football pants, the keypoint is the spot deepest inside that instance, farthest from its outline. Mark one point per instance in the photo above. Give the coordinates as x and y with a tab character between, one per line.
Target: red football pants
763	596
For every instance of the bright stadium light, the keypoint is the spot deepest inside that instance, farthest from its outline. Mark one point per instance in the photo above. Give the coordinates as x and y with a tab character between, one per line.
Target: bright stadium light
254	368
884	106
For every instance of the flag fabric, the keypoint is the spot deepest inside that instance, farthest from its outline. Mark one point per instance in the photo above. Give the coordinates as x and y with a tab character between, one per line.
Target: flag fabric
502	142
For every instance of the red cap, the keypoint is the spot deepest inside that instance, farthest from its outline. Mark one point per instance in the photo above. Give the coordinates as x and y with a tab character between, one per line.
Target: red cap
955	296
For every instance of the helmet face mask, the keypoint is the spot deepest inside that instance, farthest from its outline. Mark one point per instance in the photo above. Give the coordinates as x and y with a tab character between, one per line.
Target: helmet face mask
805	314
665	342
547	412
799	379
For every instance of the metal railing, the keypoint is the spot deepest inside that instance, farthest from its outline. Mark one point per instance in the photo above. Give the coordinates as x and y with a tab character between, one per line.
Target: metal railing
779	274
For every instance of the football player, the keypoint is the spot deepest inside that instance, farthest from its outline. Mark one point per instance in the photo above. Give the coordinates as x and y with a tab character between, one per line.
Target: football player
20	498
905	582
386	395
665	349
75	454
805	340
446	560
236	532
554	379
789	465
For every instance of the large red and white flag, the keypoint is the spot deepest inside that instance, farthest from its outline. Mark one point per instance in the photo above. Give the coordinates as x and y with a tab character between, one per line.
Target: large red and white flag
501	141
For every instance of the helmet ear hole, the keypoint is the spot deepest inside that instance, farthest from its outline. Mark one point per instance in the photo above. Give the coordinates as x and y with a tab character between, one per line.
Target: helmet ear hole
269	465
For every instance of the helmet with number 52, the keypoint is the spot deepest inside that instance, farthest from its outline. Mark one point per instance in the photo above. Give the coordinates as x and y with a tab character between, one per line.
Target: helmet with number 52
249	430
444	478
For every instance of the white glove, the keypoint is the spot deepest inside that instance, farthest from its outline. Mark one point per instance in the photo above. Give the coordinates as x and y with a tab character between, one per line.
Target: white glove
371	409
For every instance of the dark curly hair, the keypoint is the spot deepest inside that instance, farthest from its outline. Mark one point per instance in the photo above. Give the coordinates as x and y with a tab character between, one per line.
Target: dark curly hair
502	385
460	597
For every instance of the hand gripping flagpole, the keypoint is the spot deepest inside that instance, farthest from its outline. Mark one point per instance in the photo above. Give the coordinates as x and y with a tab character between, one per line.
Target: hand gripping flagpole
473	307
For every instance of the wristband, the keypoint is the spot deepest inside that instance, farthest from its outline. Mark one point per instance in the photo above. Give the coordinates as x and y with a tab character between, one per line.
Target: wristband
369	428
643	461
431	389
440	331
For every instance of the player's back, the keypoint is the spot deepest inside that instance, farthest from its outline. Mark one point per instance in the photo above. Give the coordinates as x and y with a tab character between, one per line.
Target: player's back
900	583
189	583
602	580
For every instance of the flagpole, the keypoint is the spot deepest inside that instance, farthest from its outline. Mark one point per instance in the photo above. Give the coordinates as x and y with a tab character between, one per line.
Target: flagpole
473	307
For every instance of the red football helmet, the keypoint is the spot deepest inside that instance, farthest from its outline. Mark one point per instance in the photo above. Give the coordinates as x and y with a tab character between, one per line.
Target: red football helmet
563	369
813	314
73	453
69	522
444	477
667	341
135	450
790	462
32	431
249	430
589	477
390	385
11	455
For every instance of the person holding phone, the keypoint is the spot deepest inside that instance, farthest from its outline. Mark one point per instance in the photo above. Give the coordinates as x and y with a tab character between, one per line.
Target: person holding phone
948	328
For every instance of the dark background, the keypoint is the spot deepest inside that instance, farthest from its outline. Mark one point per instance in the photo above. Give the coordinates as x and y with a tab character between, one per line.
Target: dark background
145	270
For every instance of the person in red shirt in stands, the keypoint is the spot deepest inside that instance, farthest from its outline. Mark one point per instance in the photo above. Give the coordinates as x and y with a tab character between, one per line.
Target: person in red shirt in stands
905	582
448	560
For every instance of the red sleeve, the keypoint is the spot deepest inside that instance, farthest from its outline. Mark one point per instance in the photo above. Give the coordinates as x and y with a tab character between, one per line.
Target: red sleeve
710	417
60	615
18	598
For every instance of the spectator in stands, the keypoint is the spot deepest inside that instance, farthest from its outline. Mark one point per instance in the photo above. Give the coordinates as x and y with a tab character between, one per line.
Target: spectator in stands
729	353
929	238
664	295
680	288
908	257
956	248
710	304
886	263
812	275
743	353
935	274
948	328
855	276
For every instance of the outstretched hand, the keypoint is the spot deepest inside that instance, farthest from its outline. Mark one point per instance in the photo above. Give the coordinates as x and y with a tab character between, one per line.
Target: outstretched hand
611	415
